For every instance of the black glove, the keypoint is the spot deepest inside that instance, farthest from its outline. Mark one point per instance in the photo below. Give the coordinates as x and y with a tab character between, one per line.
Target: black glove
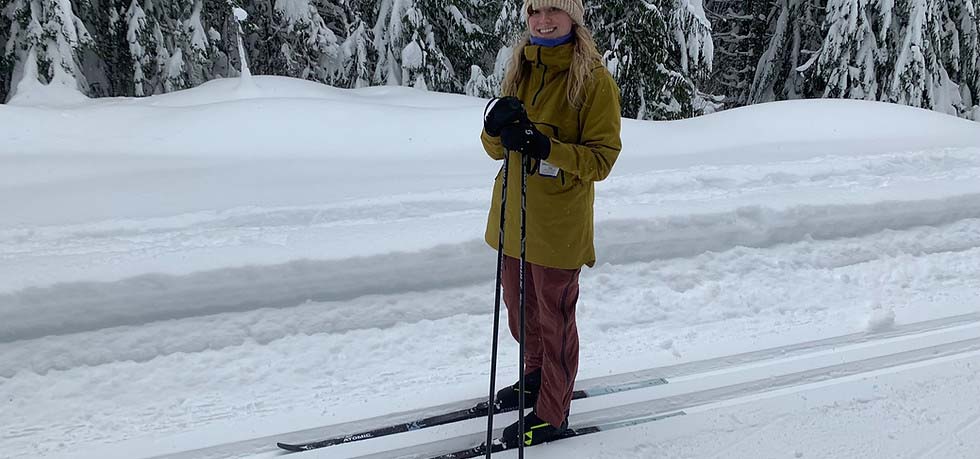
526	139
505	111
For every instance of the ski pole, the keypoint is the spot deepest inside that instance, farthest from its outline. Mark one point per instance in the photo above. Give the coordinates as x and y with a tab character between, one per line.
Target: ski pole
496	304
520	426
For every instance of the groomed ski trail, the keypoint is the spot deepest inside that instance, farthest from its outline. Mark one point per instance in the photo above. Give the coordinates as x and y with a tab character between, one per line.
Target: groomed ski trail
702	392
691	387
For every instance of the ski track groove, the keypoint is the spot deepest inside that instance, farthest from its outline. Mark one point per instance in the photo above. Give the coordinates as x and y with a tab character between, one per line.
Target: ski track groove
669	404
730	394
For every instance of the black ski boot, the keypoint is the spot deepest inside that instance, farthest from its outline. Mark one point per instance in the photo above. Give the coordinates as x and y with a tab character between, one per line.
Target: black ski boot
507	398
535	432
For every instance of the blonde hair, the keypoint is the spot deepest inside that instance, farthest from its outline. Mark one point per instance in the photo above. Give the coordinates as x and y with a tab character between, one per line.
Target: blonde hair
585	58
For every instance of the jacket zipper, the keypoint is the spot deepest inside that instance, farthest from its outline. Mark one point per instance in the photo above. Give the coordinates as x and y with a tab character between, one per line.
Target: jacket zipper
534	101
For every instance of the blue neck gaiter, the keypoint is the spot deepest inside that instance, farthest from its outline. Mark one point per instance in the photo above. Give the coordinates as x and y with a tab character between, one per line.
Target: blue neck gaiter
552	42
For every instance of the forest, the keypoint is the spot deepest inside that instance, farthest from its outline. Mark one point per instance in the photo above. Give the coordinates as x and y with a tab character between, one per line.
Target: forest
673	59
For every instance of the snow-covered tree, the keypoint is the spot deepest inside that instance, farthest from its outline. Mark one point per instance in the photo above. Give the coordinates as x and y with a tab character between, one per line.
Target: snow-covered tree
653	49
415	39
462	36
6	62
920	78
57	38
912	52
389	40
260	38
141	47
478	85
964	52
915	62
793	41
349	20
195	44
959	50
169	45
507	25
967	17
851	59
309	49
106	63
739	33
423	63
355	58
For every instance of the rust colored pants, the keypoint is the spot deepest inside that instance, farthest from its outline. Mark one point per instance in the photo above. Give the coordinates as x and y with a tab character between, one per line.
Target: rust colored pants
551	342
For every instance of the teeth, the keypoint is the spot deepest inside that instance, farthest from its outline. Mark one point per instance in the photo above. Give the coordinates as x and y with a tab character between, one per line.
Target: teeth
546	30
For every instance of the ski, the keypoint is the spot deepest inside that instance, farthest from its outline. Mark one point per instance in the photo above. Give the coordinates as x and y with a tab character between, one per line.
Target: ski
477	411
498	446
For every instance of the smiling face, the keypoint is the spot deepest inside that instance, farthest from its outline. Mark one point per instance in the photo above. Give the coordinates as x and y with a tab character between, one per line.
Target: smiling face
549	22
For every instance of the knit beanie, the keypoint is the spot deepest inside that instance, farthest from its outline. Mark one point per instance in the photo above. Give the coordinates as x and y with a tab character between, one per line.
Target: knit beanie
574	8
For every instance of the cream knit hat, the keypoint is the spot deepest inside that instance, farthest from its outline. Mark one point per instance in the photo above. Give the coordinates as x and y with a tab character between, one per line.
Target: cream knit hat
574	8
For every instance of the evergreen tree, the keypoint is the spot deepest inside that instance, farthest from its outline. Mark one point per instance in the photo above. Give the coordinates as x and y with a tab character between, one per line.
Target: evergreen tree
356	58
196	45
222	32
389	40
261	39
505	15
308	48
740	38
851	59
920	79
57	37
966	17
168	45
6	62
462	38
140	46
349	19
654	47
423	63
794	40
107	64
422	43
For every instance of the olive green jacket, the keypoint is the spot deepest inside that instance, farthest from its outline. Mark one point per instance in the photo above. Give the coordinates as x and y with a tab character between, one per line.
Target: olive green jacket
585	143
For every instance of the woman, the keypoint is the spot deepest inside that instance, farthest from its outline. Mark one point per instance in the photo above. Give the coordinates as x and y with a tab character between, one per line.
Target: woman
561	110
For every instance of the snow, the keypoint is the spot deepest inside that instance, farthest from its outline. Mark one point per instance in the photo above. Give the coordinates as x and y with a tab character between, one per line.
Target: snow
696	8
198	274
199	39
240	14
294	11
412	56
